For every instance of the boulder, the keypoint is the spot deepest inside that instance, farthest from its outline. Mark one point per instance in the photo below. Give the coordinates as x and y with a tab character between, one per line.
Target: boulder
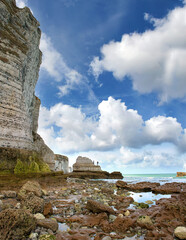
9	194
142	186
31	186
33	203
16	224
108	191
121	184
48	223
116	175
180	232
97	207
168	188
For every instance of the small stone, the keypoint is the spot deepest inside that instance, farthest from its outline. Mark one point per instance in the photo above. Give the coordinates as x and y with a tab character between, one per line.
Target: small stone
127	213
39	216
2	196
47	237
120	215
149	202
1	203
113	234
145	220
45	193
33	236
112	217
18	205
180	232
106	238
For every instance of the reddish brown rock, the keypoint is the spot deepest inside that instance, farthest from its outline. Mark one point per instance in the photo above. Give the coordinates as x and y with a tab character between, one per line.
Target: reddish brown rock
89	220
48	223
142	186
121	184
97	207
123	202
121	225
169	188
82	234
107	191
48	210
116	175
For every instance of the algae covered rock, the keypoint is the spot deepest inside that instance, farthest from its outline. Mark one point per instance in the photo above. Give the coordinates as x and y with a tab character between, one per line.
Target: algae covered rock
144	220
16	224
33	203
47	237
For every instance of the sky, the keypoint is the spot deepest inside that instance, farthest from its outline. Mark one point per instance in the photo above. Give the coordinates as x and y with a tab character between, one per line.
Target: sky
113	82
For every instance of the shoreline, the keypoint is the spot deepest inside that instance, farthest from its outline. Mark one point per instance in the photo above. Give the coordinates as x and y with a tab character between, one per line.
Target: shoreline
89	209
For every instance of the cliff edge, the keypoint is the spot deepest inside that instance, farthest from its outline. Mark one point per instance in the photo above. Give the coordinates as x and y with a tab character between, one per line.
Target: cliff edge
20	60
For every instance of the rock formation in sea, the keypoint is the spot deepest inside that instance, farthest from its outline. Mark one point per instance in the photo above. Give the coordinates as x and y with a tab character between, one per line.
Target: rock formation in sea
61	163
85	164
20	60
85	168
181	174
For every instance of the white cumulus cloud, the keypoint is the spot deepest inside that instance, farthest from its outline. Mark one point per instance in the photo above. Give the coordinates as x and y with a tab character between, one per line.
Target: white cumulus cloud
154	59
70	130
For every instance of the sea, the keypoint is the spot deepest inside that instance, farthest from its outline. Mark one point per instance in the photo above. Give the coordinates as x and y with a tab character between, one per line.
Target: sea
160	178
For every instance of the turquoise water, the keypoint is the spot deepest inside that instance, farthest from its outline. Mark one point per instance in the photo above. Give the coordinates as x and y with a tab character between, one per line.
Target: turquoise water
161	178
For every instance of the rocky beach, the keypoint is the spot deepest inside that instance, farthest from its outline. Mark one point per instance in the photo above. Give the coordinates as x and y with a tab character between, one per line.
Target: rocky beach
79	209
39	198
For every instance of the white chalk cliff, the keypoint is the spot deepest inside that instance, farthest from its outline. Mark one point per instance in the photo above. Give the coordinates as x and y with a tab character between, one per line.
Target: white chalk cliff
20	60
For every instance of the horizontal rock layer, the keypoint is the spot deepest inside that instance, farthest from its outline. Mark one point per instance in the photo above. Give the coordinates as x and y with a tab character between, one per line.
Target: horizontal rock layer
20	60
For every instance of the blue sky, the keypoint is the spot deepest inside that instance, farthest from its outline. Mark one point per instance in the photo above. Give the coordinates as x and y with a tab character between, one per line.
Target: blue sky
113	81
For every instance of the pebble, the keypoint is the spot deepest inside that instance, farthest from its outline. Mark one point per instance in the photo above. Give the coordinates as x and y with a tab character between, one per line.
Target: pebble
39	216
33	236
106	238
18	205
127	213
112	217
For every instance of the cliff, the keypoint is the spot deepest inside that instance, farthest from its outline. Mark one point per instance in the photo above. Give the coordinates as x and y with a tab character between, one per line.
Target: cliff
20	60
61	163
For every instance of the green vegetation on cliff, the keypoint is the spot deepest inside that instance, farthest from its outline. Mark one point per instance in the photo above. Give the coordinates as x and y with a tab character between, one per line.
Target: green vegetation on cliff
34	165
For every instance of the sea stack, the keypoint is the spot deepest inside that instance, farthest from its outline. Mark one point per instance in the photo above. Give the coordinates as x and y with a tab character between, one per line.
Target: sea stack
181	174
85	164
20	60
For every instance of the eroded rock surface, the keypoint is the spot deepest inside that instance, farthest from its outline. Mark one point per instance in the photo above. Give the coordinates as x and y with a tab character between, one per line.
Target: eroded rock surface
20	60
16	224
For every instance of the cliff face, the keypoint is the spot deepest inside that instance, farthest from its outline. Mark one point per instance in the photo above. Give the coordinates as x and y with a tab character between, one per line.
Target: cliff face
20	60
61	163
